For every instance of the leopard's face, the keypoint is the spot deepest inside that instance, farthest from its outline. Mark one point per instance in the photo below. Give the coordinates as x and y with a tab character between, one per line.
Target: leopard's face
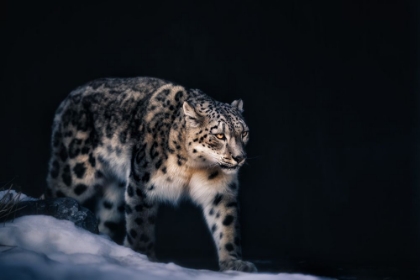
216	135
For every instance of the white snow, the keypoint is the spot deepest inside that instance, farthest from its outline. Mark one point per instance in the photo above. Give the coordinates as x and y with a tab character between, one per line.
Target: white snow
42	247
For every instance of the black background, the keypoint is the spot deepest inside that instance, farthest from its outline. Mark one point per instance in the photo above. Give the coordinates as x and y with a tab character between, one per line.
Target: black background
330	91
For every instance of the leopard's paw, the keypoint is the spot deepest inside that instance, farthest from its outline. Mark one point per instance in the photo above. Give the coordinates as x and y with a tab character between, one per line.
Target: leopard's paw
237	265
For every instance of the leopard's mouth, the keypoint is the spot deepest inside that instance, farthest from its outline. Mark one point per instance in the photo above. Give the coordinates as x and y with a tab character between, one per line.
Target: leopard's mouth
228	167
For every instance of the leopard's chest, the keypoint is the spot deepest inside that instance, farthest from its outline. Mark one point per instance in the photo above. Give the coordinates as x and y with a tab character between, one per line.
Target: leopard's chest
171	182
179	181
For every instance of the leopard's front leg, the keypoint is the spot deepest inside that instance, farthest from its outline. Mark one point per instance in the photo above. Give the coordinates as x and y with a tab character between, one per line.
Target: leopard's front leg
222	219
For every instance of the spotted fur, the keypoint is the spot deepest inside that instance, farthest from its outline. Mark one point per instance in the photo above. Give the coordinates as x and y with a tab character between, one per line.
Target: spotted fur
121	146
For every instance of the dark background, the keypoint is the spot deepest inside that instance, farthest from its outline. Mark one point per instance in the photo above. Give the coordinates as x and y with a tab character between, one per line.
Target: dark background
331	96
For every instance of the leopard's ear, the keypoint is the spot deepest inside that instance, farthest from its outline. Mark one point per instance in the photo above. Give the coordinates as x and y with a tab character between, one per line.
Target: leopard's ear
191	115
238	104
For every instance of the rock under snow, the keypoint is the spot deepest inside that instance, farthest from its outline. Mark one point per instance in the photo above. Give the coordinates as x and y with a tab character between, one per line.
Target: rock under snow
63	208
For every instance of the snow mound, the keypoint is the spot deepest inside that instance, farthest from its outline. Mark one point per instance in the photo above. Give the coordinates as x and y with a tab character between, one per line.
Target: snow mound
42	247
8	196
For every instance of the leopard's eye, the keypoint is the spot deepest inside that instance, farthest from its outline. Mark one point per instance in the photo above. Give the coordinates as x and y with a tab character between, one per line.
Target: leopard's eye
220	136
244	134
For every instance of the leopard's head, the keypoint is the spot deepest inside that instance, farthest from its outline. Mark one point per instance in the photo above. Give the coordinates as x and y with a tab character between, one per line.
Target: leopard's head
216	134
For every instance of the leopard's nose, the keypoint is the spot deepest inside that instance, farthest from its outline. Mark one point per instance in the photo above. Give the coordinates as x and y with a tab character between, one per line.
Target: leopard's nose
239	158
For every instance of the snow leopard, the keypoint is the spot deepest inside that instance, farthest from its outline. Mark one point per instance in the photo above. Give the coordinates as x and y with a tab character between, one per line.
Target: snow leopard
122	146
